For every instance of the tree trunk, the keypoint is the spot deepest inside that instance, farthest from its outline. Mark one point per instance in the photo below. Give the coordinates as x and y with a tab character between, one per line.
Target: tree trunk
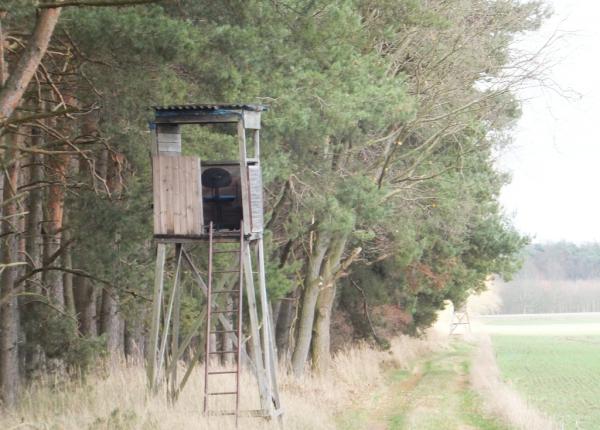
9	311
86	294
321	339
53	279
34	245
14	88
275	308
67	247
111	323
134	337
283	326
1	195
321	342
35	216
3	65
68	277
85	305
312	284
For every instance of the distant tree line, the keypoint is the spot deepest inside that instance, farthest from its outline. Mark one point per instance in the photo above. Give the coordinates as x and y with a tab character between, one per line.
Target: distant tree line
555	277
378	155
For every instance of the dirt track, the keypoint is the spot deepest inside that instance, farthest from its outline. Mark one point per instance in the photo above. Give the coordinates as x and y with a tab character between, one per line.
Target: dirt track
435	394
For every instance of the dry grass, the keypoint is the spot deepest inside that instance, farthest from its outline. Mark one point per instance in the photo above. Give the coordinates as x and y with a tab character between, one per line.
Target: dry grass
499	398
115	397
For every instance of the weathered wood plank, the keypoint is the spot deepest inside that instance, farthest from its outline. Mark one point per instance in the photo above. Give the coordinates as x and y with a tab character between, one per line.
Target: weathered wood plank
261	374
256	141
187	189
169	311
205	118
252	120
265	321
256	197
177	196
198	209
168	138
241	132
156	193
172	372
193	196
186	225
178	199
152	356
165	195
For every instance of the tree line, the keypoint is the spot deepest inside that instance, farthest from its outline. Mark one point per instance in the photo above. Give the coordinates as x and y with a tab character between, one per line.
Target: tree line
378	154
555	277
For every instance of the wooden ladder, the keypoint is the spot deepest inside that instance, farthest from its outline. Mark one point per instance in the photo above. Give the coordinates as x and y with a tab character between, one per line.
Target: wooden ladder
236	297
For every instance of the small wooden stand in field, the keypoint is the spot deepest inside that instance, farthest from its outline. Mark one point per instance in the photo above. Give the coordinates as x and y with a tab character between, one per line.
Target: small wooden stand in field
460	317
217	205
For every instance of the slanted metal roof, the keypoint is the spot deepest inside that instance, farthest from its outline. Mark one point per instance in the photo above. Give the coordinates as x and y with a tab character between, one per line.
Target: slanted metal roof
209	107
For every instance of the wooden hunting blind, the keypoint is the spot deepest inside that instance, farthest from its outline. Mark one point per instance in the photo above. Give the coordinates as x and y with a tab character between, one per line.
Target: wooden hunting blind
211	202
187	195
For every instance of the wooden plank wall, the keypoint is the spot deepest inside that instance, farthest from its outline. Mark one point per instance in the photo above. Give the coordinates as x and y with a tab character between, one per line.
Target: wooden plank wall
177	195
168	138
256	197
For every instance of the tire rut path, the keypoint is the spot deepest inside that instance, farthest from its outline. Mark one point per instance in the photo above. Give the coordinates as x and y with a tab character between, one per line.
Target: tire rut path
434	395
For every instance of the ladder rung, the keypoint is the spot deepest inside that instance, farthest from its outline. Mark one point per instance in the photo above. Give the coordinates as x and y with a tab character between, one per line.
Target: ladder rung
236	251
224	291
246	413
221	393
221	311
223	331
220	413
225	271
224	352
222	372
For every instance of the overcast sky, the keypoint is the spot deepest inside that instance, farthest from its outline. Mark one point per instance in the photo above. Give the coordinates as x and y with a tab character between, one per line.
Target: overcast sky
555	159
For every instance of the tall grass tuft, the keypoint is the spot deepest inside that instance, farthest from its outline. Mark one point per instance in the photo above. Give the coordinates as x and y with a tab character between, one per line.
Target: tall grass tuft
114	396
499	398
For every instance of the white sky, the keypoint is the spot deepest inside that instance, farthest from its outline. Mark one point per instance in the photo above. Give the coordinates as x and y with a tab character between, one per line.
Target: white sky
555	159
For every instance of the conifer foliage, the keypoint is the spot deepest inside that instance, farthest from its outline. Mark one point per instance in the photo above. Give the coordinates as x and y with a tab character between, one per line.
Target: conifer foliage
381	193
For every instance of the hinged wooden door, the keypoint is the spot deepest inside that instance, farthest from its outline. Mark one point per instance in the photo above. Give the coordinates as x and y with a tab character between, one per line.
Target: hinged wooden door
177	196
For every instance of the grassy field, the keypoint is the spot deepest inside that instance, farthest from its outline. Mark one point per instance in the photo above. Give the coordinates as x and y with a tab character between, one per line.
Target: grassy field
554	362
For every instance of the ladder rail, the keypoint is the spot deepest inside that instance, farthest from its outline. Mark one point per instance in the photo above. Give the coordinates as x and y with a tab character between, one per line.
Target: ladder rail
208	315
235	293
239	326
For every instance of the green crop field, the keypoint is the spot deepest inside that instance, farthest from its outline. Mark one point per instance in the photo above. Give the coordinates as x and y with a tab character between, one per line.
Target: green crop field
558	373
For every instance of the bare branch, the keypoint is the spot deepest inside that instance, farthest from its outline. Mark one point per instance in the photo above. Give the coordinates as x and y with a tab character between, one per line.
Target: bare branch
379	340
94	3
43	115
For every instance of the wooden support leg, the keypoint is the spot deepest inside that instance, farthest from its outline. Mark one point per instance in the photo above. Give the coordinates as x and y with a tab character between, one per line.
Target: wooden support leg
266	321
261	376
273	367
172	371
155	324
169	313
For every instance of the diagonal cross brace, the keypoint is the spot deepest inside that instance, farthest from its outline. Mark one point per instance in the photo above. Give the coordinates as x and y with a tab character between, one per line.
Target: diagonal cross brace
222	319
